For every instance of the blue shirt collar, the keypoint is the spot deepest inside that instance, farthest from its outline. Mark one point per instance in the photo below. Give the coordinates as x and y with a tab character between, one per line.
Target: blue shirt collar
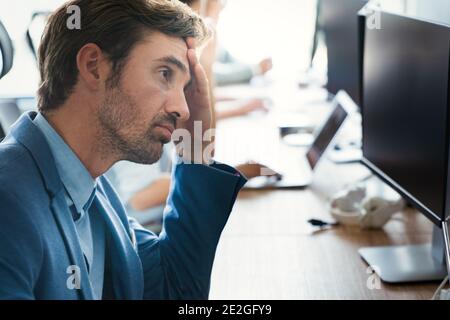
75	177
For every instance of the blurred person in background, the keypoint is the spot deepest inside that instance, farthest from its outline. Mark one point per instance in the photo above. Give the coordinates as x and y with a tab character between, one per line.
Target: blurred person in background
222	68
229	70
144	188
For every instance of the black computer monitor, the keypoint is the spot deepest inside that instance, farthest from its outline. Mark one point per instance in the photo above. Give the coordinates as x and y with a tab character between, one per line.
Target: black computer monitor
406	109
406	126
338	20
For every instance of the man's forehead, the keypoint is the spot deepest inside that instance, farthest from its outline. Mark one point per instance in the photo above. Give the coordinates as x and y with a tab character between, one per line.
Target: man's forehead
160	45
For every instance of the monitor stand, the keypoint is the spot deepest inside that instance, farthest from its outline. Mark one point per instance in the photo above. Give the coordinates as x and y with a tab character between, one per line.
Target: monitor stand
411	263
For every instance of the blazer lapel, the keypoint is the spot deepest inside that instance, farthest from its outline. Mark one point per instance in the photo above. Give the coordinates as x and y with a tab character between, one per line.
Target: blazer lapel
126	268
65	224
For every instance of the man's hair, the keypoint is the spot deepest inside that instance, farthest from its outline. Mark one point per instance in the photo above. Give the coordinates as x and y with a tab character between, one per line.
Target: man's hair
189	2
116	26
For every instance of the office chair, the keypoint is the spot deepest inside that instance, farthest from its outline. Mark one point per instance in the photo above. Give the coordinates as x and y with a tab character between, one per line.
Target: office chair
6	51
9	111
32	38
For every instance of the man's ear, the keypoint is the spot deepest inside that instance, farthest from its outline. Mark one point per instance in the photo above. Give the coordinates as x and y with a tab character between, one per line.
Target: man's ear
93	67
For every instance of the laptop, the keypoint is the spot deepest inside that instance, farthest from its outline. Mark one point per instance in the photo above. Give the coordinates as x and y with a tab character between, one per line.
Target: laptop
297	168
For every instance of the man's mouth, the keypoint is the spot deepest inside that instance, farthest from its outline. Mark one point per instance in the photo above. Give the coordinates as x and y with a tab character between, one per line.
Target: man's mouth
166	130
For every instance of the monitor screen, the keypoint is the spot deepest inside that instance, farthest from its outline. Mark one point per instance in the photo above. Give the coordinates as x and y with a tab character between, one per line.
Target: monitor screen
327	132
405	111
339	21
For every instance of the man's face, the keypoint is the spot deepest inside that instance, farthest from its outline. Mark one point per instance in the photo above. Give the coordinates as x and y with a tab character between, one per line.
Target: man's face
137	116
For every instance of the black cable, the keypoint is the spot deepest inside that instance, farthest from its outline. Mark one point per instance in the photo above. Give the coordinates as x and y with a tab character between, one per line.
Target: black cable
321	224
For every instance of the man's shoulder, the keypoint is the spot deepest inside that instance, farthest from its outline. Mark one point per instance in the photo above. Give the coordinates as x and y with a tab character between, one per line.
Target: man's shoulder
9	151
17	166
20	183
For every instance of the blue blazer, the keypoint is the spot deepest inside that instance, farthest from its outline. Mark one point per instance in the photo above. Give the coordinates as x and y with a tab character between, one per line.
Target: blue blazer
39	245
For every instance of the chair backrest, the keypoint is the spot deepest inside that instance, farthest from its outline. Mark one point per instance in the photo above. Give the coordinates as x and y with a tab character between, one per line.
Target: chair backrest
6	51
8	111
2	134
35	29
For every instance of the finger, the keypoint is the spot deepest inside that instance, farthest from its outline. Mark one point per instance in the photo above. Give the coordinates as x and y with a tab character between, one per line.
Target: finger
257	106
266	171
264	108
192	57
201	79
191	43
199	73
193	61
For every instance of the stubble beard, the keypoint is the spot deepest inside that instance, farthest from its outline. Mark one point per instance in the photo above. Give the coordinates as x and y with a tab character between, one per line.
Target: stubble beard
122	134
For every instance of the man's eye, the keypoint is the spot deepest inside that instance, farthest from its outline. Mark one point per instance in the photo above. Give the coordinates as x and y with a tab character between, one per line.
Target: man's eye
166	73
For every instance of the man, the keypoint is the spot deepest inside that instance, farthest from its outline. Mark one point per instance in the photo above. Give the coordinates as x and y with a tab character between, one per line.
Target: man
113	89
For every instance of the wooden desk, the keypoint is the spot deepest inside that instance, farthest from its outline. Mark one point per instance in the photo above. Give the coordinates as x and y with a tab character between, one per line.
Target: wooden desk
267	250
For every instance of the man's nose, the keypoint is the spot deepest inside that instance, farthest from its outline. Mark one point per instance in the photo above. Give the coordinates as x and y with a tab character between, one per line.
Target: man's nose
179	107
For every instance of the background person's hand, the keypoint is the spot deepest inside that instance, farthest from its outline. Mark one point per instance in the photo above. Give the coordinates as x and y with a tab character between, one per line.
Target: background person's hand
265	65
252	170
252	105
243	109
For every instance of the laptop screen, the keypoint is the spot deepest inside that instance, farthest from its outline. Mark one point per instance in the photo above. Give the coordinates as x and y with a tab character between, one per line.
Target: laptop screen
326	133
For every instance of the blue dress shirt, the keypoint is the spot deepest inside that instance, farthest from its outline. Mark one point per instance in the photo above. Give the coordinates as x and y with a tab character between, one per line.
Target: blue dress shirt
80	190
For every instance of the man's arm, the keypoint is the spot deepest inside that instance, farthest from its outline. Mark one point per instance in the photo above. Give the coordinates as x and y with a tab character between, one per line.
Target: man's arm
178	264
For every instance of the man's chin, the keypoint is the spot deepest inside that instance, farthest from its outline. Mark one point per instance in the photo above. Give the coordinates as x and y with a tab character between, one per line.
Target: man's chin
147	155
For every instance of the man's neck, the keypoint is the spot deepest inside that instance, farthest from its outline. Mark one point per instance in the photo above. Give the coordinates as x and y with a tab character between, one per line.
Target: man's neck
80	132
